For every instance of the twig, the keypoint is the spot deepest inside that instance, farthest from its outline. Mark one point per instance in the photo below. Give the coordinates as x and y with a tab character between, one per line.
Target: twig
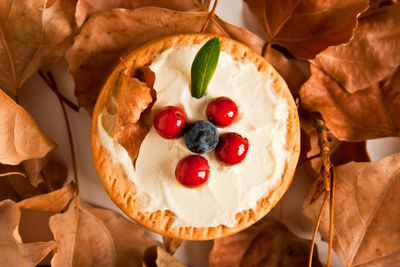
59	95
331	217
308	159
310	257
53	85
210	17
325	184
266	49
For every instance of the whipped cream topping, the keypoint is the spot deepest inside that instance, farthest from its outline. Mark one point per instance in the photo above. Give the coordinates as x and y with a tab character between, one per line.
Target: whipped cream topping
230	189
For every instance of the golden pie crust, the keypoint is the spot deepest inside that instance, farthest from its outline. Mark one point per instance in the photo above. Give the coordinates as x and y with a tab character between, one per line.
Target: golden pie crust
122	190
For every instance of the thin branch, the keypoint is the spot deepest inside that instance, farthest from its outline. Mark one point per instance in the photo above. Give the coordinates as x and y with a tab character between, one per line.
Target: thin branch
310	257
331	217
57	92
53	85
308	159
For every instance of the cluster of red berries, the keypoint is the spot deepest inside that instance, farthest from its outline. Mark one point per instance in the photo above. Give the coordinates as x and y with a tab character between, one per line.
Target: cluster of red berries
193	170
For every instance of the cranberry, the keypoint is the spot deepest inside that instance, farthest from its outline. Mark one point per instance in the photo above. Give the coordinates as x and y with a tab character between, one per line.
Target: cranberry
169	122
222	111
232	148
192	171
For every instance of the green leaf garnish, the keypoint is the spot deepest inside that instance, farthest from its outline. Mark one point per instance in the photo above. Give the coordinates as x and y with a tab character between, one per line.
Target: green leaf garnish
203	66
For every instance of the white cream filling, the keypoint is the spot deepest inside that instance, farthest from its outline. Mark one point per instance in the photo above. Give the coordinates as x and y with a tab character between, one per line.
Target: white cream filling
229	190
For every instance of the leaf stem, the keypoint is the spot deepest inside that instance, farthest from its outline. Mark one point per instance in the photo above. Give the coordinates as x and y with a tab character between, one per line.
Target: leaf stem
331	217
210	17
12	173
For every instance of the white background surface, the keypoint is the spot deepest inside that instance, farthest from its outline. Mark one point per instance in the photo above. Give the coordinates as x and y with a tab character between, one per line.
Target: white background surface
43	105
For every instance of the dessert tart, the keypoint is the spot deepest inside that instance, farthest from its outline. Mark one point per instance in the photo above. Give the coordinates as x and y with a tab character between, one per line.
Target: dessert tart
139	167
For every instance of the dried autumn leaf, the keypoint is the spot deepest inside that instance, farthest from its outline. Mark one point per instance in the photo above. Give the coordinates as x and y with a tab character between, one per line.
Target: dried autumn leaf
12	251
365	114
86	8
21	138
107	36
269	243
306	28
367	217
294	72
372	55
130	125
157	256
33	33
54	201
90	236
171	244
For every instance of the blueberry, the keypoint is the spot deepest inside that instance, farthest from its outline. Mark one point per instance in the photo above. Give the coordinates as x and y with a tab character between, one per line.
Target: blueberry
201	137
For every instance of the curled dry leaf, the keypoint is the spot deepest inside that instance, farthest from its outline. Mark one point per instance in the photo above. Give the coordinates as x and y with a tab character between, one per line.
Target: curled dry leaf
365	114
86	8
89	236
12	251
372	55
306	28
367	217
33	33
131	123
54	201
21	138
156	256
171	244
268	243
107	36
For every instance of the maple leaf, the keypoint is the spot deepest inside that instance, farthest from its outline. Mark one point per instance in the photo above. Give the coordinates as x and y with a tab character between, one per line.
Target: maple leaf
366	215
307	27
89	236
371	56
33	33
12	251
87	8
104	38
365	114
268	243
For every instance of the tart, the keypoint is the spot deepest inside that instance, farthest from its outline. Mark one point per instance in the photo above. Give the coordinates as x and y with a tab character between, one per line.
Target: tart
140	177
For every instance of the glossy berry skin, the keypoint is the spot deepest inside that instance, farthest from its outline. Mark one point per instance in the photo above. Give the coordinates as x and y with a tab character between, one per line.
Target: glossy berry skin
169	122
222	111
192	171
232	148
201	137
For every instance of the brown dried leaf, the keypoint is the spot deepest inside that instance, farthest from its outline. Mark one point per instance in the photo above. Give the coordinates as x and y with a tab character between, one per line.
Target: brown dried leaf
156	256
106	37
97	237
307	27
31	36
367	217
269	243
54	201
371	56
86	8
12	251
21	138
365	114
294	72
171	244
130	125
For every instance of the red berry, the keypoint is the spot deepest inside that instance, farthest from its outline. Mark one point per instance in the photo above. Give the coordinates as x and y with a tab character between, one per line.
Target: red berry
232	148
192	171
169	122
222	111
